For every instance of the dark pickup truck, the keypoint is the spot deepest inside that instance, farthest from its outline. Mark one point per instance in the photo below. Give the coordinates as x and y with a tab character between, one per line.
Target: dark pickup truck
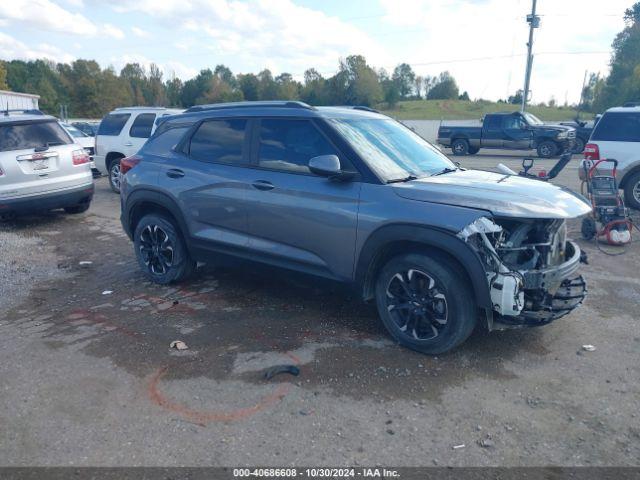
508	131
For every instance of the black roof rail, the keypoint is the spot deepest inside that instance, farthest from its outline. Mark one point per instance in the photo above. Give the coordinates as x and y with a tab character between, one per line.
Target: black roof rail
27	111
260	104
366	109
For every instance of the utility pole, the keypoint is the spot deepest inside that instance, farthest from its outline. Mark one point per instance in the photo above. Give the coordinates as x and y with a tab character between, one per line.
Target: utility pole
534	22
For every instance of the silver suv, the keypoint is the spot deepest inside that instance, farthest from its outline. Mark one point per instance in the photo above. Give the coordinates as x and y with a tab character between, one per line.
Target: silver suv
41	168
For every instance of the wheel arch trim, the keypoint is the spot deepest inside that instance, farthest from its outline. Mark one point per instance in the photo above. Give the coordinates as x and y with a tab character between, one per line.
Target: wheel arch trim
156	198
372	254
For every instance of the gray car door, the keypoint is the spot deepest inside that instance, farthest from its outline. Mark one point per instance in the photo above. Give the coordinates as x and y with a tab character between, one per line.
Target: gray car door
209	181
297	218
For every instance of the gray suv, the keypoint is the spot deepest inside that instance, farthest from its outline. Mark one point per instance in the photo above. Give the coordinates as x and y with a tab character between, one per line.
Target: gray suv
353	196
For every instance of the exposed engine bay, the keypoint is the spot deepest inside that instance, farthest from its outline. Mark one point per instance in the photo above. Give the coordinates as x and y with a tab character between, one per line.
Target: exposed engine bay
531	269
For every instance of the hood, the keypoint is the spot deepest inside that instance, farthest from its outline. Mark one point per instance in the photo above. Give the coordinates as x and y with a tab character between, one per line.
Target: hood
502	195
553	128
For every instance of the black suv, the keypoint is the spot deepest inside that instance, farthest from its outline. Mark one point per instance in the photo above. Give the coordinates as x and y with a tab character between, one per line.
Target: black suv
351	195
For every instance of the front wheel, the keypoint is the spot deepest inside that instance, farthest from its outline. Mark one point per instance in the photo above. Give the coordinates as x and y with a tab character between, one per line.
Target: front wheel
578	145
632	191
426	304
160	250
547	149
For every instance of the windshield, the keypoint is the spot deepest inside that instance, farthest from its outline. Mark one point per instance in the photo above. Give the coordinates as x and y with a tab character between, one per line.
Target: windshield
393	151
532	119
74	131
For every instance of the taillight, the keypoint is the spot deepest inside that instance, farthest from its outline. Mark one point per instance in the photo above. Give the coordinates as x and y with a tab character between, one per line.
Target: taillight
591	151
128	163
79	157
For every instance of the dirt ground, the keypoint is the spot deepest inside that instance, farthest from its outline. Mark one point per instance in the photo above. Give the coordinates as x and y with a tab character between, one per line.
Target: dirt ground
87	376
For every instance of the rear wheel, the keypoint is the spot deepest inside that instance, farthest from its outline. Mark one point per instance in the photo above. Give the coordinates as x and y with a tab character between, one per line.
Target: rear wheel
473	150
426	304
160	250
547	149
588	228
632	191
460	147
114	174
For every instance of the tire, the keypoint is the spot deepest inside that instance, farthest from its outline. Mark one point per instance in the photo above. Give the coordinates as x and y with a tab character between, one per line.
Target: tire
161	251
632	191
114	174
460	147
588	228
438	292
547	149
578	146
77	209
473	150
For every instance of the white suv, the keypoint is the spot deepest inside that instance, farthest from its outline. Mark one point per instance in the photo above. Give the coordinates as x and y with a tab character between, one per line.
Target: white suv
41	168
121	134
617	137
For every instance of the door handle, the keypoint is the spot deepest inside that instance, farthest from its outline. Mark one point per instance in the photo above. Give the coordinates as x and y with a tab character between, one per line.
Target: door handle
175	173
128	144
263	185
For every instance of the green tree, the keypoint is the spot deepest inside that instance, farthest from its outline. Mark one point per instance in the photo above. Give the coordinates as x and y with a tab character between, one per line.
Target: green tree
173	89
3	76
267	86
362	85
288	88
249	85
404	78
446	88
314	90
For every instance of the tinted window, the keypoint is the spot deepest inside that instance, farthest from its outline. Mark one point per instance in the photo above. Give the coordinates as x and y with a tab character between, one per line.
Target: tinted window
493	122
112	124
142	125
618	127
163	143
219	141
512	122
290	144
31	135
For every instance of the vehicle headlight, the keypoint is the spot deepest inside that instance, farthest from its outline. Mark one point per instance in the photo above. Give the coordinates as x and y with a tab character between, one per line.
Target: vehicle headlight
562	135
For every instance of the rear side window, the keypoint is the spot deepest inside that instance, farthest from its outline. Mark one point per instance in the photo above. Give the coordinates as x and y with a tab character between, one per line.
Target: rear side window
493	122
618	127
142	125
21	136
219	141
162	144
113	123
290	144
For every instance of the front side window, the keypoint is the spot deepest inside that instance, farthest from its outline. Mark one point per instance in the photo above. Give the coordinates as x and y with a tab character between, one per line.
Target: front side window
390	149
219	141
23	136
112	124
618	127
513	123
142	125
287	144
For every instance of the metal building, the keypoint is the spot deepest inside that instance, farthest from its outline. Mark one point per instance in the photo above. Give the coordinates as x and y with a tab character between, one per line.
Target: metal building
14	100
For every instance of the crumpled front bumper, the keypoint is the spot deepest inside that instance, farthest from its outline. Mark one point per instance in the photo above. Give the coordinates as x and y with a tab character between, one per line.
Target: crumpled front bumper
550	293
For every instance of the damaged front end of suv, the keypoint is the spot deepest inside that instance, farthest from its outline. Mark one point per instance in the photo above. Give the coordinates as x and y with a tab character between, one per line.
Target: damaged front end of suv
531	269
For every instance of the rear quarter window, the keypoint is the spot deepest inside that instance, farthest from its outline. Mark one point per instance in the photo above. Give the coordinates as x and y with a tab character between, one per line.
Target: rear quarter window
618	127
142	125
163	143
113	123
22	136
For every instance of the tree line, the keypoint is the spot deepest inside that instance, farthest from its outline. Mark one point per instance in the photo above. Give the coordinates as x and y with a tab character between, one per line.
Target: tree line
91	91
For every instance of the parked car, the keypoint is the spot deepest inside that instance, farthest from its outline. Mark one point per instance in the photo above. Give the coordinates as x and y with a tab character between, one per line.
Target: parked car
89	128
617	136
583	132
353	196
120	134
508	131
41	168
87	142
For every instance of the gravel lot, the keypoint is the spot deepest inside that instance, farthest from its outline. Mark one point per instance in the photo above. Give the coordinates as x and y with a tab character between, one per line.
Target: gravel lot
88	378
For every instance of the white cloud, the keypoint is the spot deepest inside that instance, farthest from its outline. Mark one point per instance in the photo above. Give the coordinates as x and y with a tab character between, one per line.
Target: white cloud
139	32
10	49
465	29
45	14
112	31
265	33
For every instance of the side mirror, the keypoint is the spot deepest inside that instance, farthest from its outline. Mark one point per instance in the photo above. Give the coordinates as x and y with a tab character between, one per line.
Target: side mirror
328	166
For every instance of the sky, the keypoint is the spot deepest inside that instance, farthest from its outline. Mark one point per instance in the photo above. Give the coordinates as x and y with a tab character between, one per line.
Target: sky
481	42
